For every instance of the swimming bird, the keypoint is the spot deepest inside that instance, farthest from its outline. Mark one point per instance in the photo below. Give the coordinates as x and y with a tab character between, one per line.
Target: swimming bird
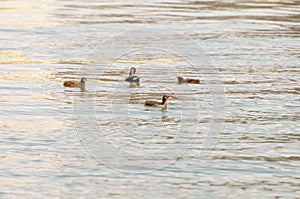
132	77
76	84
187	80
162	104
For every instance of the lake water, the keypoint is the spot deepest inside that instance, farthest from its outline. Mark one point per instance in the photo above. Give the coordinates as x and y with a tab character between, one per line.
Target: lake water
234	135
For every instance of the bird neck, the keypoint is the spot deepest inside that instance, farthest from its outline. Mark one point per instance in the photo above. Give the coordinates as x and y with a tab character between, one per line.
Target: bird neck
82	84
132	72
164	101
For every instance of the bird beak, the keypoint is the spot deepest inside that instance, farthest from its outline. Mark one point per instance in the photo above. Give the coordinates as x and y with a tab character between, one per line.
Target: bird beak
170	98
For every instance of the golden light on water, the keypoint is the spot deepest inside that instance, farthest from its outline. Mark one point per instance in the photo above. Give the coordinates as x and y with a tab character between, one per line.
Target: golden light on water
38	124
8	57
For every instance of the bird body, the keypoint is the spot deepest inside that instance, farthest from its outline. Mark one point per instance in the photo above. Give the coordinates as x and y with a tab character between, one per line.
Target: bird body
162	104
132	79
76	84
187	80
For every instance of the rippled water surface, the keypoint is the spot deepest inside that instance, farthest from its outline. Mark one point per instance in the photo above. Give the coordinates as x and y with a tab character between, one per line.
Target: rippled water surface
234	135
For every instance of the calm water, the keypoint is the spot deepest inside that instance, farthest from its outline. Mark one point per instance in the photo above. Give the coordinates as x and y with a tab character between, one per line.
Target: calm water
235	135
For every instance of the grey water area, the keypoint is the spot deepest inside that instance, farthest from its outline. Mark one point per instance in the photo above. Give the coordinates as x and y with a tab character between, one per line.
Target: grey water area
234	135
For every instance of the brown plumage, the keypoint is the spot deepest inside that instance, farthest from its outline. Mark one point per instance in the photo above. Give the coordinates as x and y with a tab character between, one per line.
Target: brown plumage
162	104
76	84
187	80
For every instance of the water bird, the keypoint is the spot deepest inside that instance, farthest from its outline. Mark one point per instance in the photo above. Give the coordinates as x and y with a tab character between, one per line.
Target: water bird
187	80
162	104
132	77
76	84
